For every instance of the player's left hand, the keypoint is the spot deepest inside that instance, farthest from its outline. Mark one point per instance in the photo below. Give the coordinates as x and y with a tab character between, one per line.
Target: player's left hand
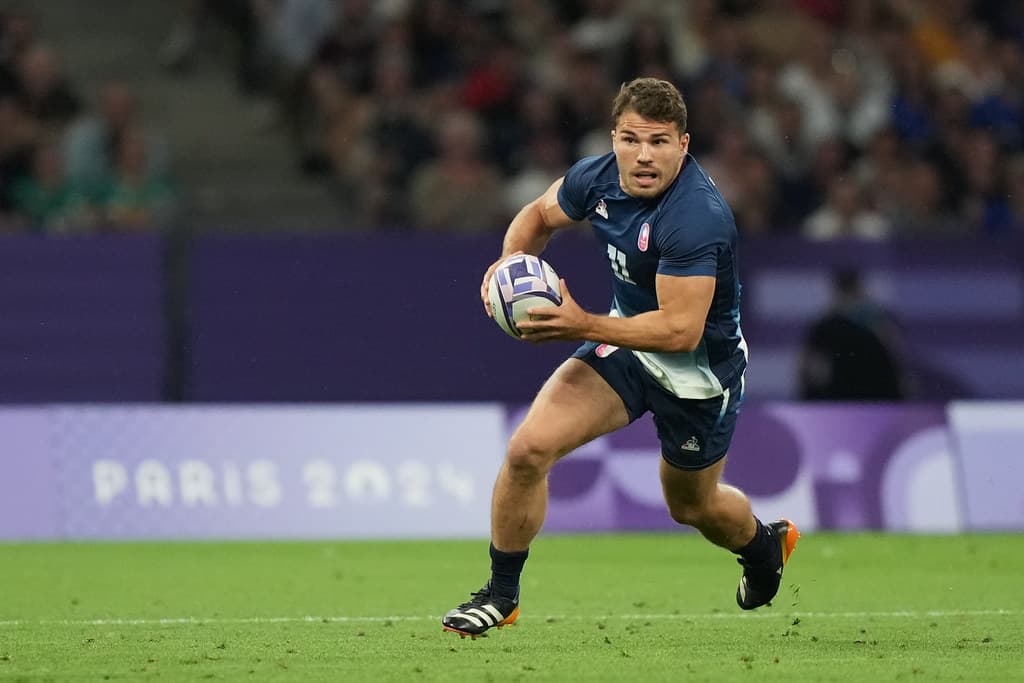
549	323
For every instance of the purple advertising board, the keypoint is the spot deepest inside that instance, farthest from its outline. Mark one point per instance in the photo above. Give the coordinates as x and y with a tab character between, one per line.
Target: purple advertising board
990	440
28	497
148	471
426	470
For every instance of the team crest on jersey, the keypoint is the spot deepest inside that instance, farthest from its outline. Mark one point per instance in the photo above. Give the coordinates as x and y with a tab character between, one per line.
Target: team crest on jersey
602	209
644	238
605	350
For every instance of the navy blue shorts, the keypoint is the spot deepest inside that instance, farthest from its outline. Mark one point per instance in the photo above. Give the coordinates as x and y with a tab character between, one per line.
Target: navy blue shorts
694	433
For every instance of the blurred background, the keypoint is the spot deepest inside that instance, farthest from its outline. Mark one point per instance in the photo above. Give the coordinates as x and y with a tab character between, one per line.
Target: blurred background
208	202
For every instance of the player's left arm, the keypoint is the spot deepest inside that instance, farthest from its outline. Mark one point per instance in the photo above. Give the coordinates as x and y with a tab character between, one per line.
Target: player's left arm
676	325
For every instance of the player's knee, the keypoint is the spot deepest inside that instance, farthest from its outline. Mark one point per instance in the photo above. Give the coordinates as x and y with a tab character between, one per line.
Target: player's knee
529	456
688	513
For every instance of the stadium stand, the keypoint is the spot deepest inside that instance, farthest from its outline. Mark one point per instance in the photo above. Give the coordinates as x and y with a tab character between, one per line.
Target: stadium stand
320	113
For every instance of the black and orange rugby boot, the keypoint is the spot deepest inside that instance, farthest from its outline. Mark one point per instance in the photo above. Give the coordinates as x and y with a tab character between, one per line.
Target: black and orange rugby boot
760	582
482	612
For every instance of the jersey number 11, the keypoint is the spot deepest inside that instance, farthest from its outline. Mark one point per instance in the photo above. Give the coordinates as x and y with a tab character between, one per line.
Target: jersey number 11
618	259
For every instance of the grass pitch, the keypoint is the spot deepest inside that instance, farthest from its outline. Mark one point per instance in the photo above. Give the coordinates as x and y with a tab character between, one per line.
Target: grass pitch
650	607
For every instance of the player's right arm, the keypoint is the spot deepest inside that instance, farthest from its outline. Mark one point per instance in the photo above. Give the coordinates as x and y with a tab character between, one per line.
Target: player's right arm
529	231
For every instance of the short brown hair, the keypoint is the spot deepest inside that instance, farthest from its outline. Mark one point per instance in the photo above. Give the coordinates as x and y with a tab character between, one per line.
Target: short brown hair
651	98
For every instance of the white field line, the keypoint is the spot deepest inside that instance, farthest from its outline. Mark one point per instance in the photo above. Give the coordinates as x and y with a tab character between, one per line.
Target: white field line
172	621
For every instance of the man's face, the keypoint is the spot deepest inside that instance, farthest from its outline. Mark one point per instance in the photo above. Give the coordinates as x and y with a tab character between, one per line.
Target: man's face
648	153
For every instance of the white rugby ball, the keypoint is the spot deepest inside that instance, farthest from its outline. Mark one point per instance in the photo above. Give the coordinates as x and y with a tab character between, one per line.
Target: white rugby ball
519	283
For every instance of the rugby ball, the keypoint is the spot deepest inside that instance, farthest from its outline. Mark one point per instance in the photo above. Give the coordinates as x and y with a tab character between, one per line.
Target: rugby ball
519	283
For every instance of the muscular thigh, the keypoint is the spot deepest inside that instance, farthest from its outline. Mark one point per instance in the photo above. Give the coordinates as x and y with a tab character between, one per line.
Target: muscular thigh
575	405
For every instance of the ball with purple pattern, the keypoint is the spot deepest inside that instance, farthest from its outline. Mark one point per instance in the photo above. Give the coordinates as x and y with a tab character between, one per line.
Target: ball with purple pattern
519	283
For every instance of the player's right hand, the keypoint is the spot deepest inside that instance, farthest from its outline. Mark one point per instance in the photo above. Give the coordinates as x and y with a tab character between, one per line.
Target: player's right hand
487	283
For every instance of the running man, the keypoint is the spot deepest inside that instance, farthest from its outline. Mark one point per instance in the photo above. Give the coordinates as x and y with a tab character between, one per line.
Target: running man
671	345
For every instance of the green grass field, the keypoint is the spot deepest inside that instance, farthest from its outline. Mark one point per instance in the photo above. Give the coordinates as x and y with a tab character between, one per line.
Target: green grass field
648	607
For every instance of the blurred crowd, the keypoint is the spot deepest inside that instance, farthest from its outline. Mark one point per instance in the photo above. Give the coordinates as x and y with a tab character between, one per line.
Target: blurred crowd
71	162
870	119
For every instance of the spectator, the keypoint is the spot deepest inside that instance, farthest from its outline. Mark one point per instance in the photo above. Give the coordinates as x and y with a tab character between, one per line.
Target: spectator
17	32
182	45
532	24
757	211
48	199
726	162
1002	111
293	31
934	27
647	49
587	93
883	159
913	96
691	41
92	142
951	112
602	29
846	215
780	135
983	193
493	89
351	47
975	68
460	191
850	353
394	143
135	197
539	112
46	93
430	40
18	136
809	81
914	202
341	116
711	106
546	160
727	56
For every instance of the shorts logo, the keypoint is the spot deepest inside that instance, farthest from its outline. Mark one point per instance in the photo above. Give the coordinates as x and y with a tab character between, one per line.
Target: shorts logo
605	350
644	238
602	209
691	444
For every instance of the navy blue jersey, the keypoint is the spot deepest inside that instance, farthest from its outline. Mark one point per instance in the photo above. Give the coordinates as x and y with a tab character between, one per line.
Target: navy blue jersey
687	230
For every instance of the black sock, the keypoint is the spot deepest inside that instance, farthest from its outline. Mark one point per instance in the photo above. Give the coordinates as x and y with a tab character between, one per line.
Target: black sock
505	571
759	550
